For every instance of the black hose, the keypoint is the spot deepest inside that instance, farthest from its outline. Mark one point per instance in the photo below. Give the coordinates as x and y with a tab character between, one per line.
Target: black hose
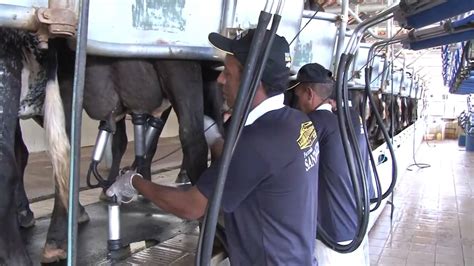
378	185
101	182
244	99
386	136
351	149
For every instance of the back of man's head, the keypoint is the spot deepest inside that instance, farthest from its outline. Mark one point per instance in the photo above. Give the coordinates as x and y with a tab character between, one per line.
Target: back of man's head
318	78
277	68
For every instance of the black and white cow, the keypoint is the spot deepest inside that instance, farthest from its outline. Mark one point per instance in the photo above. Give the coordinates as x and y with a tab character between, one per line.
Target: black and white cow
113	87
24	71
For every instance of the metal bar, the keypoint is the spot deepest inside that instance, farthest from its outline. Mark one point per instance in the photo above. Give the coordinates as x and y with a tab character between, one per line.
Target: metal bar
357	18
320	16
341	33
228	11
362	8
384	15
19	17
151	51
77	100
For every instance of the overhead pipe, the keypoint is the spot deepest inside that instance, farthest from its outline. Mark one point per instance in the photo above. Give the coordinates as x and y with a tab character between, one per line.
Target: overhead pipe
358	19
320	16
19	17
356	35
367	8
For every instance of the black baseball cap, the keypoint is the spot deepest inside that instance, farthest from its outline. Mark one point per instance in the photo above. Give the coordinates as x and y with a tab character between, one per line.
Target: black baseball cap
313	73
277	69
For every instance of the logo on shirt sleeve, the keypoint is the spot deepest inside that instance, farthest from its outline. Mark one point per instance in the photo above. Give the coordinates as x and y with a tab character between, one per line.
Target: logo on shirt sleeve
307	135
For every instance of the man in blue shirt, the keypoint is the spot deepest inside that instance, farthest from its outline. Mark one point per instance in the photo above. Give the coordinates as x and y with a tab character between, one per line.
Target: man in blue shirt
337	214
269	200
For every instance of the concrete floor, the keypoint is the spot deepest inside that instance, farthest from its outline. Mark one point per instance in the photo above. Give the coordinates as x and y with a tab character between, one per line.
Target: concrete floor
433	221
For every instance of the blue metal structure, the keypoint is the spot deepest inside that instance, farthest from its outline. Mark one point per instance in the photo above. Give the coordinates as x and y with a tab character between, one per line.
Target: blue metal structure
458	67
417	14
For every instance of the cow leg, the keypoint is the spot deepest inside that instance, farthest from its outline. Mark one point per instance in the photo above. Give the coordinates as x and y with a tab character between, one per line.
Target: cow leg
55	247
25	215
12	249
186	95
119	145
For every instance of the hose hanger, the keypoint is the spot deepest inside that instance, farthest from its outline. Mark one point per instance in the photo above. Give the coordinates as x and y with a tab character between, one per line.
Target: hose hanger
251	75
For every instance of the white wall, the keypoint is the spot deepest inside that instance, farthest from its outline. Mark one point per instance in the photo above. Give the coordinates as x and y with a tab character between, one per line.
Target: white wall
34	137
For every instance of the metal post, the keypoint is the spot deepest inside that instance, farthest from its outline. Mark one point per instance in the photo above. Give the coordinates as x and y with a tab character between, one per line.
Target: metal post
77	98
343	17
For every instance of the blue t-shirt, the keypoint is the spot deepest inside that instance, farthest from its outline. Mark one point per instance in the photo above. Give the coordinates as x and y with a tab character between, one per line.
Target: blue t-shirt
270	196
356	120
337	214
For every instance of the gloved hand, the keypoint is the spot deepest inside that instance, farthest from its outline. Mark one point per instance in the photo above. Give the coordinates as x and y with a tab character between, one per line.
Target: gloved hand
211	131
122	188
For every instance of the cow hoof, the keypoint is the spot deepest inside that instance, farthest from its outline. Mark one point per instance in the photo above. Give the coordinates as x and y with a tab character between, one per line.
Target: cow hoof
51	253
182	178
26	218
83	216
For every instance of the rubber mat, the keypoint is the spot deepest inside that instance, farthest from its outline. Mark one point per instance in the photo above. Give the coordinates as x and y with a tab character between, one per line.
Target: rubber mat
139	221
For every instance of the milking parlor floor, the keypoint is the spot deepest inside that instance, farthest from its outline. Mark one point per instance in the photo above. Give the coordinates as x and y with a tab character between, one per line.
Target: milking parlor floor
433	220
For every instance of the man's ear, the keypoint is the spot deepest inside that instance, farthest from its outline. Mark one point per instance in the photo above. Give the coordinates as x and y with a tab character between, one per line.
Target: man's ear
309	93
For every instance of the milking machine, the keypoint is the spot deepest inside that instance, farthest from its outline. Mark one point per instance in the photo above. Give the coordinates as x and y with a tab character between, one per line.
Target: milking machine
145	130
105	132
117	249
139	130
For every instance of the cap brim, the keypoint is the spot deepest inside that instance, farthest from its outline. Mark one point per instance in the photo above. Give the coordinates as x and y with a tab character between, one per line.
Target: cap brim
220	42
294	86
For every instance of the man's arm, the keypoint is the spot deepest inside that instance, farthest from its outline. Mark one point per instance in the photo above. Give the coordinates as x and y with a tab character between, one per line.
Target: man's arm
188	204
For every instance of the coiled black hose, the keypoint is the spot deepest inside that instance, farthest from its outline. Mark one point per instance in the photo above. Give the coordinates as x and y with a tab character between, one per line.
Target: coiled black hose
378	185
351	149
386	137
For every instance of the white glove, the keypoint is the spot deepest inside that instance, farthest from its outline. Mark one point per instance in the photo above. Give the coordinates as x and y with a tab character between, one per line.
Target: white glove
122	188
211	131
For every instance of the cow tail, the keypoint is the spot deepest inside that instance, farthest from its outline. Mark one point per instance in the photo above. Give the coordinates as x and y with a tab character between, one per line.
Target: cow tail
55	126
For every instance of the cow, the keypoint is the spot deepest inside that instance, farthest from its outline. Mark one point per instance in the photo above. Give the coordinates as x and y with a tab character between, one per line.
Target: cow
113	87
19	57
